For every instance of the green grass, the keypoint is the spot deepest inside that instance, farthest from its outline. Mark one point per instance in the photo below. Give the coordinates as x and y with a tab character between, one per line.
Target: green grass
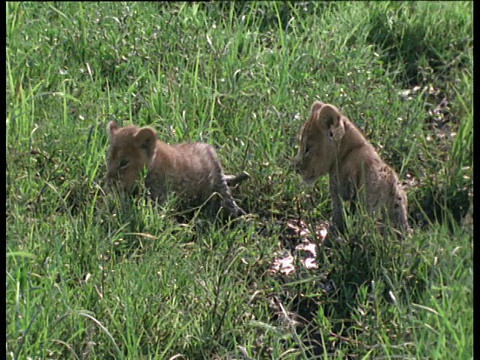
91	276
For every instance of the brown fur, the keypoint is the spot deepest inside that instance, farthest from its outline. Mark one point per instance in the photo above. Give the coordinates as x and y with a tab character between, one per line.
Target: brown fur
191	171
331	144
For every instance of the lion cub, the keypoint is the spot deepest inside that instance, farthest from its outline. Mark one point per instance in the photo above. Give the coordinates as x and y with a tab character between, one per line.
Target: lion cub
191	171
331	144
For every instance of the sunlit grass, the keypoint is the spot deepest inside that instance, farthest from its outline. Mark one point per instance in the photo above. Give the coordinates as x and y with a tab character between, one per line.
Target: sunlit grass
92	275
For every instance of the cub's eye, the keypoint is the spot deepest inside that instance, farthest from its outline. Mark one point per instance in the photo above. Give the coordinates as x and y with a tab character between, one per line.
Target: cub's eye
123	164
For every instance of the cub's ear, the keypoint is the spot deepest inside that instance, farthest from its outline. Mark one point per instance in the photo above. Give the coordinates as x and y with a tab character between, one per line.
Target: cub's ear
146	138
112	127
330	118
316	106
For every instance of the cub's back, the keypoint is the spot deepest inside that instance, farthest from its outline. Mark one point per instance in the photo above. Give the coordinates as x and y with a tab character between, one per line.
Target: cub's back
194	170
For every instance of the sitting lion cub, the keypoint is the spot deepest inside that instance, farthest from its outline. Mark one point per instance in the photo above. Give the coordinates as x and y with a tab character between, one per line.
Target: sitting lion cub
192	171
331	144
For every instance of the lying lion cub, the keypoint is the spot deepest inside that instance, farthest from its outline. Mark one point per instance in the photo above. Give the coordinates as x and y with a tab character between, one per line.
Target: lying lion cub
191	171
331	144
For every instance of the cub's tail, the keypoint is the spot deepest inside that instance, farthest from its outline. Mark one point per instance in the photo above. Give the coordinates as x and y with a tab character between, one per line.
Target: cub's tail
233	180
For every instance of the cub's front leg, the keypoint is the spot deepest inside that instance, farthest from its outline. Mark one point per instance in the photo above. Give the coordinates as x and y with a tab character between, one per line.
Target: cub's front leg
337	205
156	183
340	192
